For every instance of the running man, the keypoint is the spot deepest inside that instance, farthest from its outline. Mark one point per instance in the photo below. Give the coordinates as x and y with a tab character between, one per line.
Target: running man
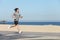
16	17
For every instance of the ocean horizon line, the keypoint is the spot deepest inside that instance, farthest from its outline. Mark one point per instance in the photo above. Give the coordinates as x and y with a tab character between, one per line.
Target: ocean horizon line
33	23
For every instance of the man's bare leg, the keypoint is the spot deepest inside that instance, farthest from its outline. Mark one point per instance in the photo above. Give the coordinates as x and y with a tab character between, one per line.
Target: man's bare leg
18	28
11	26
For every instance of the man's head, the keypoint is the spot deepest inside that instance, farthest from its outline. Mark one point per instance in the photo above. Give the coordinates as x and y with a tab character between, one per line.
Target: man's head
16	10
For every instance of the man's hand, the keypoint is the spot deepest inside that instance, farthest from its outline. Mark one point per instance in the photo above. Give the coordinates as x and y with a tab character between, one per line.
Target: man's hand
21	16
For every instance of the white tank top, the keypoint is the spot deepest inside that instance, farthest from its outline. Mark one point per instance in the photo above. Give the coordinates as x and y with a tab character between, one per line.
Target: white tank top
17	15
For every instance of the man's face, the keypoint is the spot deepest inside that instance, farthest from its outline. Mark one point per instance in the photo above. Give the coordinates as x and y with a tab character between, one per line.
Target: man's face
18	10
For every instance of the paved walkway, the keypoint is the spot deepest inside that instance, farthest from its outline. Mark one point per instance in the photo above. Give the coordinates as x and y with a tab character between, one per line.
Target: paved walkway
5	35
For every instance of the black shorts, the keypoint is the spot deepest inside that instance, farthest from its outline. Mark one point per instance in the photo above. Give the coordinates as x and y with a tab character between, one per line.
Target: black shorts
15	22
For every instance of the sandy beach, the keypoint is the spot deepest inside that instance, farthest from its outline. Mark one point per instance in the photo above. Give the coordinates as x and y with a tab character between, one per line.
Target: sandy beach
32	28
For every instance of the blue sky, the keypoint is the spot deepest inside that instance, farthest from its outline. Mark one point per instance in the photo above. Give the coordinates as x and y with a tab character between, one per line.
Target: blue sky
31	10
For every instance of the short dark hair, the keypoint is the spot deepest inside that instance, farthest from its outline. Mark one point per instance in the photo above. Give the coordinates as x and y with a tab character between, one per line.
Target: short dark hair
16	9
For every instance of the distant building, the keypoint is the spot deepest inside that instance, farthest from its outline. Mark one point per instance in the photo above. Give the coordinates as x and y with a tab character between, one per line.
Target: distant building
3	21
